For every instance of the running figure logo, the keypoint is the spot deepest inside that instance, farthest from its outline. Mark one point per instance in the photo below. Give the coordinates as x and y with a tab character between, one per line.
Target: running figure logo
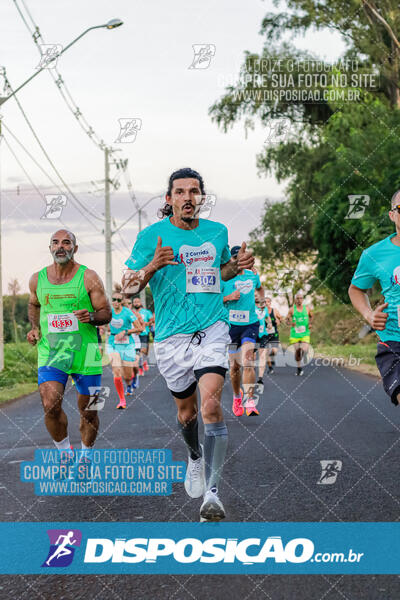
128	129
50	53
54	206
277	132
62	547
285	278
204	205
98	397
203	54
330	471
357	205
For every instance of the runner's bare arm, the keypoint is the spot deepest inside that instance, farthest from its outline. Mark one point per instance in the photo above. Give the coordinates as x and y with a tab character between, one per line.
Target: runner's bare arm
244	260
261	293
229	270
102	310
289	316
141	321
235	295
138	327
310	316
33	310
135	281
359	299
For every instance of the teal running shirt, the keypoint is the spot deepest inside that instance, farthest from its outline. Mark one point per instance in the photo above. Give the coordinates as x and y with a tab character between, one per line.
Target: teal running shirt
146	316
262	314
381	262
122	321
242	311
187	296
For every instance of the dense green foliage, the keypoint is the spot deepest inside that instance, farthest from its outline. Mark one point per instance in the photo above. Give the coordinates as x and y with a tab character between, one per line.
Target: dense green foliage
21	317
330	150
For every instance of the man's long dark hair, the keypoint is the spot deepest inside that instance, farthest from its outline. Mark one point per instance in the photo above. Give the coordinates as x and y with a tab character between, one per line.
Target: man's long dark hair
185	173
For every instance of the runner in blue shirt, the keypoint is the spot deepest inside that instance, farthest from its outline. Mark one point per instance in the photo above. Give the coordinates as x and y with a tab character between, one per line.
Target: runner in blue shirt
185	258
381	262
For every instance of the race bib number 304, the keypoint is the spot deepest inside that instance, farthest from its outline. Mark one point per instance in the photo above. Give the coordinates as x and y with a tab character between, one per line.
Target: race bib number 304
59	323
202	279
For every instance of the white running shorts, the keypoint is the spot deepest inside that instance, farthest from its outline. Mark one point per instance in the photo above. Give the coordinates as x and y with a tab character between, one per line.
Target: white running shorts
179	356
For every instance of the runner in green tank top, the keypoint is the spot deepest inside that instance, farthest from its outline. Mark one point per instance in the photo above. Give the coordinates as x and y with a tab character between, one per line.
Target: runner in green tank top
67	301
300	317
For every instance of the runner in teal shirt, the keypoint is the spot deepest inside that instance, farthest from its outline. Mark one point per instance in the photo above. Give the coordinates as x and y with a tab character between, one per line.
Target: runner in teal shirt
381	262
187	296
243	310
239	297
184	259
147	315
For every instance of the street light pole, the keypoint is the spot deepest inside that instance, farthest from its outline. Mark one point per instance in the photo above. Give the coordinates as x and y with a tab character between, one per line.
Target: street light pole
112	24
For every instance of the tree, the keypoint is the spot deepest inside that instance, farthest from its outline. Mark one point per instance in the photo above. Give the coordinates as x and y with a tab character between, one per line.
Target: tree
328	150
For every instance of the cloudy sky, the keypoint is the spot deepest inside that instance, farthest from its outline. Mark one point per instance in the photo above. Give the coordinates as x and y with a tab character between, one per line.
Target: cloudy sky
140	70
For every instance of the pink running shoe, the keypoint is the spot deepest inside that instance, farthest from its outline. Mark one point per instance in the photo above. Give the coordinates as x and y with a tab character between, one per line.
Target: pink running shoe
251	410
237	407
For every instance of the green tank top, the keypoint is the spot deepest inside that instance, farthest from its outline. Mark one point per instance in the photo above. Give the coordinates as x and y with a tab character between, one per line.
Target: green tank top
66	343
300	319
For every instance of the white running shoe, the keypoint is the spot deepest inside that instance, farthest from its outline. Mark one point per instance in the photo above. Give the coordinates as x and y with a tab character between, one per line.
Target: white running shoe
195	477
212	508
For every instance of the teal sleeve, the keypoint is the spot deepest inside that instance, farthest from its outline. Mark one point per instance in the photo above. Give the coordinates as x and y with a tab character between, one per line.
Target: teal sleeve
142	252
258	282
226	253
364	277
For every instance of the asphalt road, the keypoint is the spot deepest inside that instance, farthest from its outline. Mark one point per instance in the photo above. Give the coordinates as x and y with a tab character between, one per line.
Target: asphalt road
271	474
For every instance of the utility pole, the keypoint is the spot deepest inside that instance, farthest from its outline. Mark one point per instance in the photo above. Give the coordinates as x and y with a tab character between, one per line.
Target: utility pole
110	25
107	225
1	282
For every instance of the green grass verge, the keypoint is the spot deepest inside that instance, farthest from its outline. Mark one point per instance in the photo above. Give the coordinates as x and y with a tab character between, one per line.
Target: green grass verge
16	391
19	375
351	353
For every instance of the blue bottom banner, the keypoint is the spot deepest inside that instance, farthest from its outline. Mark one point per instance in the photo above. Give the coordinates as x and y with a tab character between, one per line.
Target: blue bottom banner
194	548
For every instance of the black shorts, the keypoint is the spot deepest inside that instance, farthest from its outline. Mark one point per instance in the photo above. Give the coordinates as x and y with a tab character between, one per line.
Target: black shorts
388	362
243	333
144	340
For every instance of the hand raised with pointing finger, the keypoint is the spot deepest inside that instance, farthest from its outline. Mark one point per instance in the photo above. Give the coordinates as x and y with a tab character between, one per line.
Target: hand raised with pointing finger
163	256
377	318
245	258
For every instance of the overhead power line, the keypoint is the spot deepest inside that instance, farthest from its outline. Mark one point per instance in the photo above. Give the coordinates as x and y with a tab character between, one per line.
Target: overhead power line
58	79
73	197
